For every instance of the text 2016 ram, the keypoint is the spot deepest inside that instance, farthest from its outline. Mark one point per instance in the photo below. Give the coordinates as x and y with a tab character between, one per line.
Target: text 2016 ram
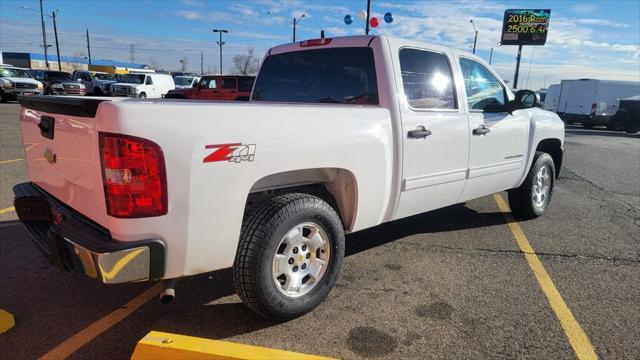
340	135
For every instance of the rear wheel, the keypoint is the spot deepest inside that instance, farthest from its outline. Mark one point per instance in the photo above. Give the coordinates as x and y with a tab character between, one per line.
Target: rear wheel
532	198
289	256
142	95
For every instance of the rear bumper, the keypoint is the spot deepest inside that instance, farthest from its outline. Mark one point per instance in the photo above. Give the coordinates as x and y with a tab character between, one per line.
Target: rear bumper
74	243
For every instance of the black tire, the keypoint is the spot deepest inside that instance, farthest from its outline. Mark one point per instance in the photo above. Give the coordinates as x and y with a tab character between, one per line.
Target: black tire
142	95
2	98
97	92
48	91
261	235
521	198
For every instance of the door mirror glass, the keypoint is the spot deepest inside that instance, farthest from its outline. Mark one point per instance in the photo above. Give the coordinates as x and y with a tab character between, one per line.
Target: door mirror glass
526	99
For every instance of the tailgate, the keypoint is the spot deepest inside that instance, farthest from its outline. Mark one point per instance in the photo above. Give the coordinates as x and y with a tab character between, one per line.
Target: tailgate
60	138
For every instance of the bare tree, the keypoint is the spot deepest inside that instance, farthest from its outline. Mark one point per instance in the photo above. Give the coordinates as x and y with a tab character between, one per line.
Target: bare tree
245	64
154	64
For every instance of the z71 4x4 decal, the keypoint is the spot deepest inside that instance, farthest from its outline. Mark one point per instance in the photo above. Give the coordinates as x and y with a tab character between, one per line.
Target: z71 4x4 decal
230	152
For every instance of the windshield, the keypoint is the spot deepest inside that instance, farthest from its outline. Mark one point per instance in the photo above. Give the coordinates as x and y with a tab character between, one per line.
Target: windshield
183	80
334	75
131	78
58	75
19	73
103	76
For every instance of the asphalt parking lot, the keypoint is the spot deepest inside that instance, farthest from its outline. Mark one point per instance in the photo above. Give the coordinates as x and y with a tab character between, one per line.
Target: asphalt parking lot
448	284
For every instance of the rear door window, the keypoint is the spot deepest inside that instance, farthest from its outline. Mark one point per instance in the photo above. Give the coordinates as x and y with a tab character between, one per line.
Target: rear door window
334	75
427	79
229	83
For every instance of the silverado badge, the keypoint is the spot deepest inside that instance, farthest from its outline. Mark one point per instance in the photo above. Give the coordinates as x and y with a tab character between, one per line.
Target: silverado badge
50	156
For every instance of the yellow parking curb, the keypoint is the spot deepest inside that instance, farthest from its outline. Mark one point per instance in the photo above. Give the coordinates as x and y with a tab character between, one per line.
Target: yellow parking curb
159	345
7	321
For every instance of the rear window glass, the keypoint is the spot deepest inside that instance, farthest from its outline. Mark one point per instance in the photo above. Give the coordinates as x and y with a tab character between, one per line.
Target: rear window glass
335	75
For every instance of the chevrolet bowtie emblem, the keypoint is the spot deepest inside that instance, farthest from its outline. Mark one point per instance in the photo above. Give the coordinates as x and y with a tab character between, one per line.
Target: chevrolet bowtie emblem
50	156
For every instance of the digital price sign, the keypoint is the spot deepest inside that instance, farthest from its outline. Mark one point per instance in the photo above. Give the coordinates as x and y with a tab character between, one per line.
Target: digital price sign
525	26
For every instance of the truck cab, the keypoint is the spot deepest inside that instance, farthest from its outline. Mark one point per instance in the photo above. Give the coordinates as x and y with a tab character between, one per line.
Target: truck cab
96	82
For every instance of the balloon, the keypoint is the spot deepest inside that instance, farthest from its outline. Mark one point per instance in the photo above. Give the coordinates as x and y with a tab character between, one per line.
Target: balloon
362	15
388	18
374	22
348	19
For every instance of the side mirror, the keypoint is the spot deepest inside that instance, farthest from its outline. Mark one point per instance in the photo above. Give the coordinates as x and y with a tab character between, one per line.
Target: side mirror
525	99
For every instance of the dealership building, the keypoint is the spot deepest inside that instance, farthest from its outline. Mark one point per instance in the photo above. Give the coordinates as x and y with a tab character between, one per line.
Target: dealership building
67	63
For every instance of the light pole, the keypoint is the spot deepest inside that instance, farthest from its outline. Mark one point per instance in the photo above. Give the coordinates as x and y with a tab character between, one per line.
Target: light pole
44	33
475	39
220	43
490	56
55	31
296	22
545	82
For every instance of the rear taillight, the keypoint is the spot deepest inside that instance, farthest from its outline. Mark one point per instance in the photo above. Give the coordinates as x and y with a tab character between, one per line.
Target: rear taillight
594	106
315	42
134	176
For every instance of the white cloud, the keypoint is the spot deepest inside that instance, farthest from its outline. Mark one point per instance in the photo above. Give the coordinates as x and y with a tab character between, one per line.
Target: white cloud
582	8
193	3
189	15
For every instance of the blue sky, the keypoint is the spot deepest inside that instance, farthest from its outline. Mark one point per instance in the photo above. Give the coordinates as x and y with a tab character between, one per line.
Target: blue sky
597	39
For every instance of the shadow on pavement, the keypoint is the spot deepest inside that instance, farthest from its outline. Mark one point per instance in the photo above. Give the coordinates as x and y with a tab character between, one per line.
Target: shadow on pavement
456	217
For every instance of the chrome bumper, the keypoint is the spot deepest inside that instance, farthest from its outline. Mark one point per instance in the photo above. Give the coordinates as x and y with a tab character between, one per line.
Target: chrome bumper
74	243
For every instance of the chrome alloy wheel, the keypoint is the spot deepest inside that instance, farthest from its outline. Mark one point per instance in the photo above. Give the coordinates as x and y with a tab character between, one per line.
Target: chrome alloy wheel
542	186
301	259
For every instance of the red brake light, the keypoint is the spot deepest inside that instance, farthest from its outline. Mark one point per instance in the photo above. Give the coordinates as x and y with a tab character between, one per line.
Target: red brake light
134	176
315	42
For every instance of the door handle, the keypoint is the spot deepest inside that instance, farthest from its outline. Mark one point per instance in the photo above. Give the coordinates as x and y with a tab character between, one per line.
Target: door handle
481	130
419	133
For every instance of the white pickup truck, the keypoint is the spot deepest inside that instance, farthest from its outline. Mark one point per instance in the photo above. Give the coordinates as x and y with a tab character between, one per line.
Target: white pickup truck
341	134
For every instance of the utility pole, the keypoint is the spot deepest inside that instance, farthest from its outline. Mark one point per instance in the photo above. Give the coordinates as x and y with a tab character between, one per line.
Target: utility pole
201	62
366	29
88	47
490	56
44	37
515	77
220	43
132	51
475	39
55	31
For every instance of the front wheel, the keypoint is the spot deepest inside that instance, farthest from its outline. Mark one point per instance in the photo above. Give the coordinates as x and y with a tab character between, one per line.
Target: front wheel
289	256
142	95
532	198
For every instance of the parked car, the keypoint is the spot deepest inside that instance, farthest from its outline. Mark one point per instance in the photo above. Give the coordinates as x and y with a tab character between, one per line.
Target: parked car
593	102
147	85
332	142
183	82
96	82
59	83
628	116
16	81
217	88
551	98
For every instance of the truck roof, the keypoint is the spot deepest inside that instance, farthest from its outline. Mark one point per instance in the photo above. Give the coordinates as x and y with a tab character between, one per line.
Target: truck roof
364	41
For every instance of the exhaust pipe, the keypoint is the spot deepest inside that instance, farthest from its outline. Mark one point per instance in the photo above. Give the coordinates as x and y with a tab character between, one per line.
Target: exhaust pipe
168	293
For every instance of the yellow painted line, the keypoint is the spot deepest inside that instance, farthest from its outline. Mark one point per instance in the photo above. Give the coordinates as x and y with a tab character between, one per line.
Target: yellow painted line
577	337
72	344
10	161
160	346
7	210
30	147
7	321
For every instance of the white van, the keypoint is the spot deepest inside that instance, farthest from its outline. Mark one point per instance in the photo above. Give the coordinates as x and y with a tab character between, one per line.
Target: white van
593	102
552	97
151	85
